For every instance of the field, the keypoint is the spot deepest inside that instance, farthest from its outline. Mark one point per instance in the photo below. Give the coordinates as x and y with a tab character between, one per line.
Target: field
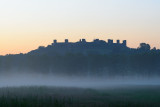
126	96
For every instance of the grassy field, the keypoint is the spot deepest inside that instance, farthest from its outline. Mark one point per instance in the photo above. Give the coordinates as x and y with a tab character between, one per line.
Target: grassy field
126	96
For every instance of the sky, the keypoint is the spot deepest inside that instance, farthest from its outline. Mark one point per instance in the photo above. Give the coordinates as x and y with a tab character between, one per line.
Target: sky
27	24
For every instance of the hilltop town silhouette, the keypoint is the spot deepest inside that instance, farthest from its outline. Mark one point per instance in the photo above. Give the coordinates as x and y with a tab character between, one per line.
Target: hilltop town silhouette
86	58
95	47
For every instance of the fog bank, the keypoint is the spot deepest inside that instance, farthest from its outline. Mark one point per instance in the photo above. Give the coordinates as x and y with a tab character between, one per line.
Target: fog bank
24	79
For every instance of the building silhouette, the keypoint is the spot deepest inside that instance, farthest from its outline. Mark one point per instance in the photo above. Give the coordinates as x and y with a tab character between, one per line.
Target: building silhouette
95	42
83	47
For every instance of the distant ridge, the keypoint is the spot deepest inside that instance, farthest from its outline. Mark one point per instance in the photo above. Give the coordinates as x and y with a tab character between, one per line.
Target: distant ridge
95	47
83	47
97	58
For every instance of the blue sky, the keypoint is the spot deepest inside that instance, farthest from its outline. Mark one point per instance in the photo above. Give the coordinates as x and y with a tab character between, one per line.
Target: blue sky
26	24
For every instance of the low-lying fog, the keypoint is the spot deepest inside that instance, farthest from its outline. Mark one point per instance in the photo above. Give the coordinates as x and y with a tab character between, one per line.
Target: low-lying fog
17	80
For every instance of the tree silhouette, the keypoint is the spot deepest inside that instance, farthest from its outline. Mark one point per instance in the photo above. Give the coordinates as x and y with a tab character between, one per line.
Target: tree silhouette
144	47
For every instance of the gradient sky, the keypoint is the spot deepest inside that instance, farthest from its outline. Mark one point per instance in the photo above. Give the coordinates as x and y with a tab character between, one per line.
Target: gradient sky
27	24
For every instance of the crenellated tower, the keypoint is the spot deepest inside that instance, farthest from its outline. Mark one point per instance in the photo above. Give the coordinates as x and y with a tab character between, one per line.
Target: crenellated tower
124	43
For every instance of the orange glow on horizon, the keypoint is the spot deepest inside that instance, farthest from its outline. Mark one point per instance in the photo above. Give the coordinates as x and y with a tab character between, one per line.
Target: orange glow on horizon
27	44
27	24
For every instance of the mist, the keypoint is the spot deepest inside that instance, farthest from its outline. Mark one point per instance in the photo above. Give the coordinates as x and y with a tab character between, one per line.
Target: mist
53	80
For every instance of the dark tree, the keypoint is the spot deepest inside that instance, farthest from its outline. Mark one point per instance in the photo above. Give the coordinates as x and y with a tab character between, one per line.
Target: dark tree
144	47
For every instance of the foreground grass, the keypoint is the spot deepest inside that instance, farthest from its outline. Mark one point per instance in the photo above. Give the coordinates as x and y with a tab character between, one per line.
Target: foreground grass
128	96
